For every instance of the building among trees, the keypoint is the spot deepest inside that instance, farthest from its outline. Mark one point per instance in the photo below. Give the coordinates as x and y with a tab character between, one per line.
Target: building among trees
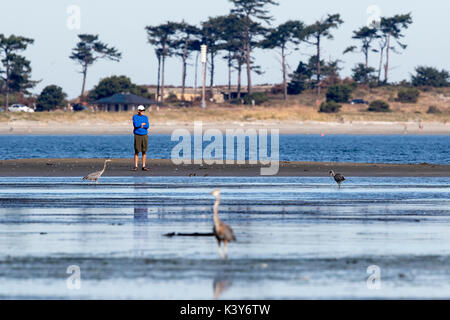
122	102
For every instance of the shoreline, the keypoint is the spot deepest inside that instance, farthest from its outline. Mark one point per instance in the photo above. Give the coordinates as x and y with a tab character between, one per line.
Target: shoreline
284	127
165	167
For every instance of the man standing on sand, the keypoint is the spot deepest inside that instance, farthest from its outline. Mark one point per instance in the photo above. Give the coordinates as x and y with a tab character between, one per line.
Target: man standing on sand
141	125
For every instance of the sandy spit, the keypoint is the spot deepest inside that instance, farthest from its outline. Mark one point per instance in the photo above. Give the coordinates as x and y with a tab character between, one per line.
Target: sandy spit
122	167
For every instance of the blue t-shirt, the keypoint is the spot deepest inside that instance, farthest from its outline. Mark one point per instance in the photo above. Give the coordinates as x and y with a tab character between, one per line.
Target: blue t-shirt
137	122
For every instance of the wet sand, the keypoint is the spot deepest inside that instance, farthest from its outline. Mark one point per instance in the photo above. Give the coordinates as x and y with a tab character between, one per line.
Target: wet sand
164	167
297	238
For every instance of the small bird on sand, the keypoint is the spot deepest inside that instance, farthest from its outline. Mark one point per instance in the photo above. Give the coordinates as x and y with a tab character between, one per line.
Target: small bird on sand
339	178
222	231
96	175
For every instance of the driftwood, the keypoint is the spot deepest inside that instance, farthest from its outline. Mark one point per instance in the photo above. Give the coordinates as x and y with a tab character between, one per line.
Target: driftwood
196	234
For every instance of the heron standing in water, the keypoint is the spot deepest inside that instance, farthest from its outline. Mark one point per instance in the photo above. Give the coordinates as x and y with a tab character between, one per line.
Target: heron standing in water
96	175
222	231
339	178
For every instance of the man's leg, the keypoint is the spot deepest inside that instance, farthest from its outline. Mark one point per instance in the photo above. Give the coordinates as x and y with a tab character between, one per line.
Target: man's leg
144	159
144	151
136	159
136	151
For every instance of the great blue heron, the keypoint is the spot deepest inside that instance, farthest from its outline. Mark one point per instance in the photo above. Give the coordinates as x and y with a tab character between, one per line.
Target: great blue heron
339	178
221	230
96	175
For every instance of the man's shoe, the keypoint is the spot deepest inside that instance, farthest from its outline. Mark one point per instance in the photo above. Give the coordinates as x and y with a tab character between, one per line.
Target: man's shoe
145	169
135	169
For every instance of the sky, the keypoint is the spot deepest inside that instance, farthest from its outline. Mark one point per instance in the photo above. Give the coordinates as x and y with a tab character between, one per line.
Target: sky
121	24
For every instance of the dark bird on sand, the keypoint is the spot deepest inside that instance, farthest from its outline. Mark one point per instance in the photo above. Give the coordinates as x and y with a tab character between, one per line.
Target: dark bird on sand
339	178
222	231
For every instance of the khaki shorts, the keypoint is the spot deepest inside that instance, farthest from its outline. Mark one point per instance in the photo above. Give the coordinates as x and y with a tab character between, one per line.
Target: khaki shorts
140	143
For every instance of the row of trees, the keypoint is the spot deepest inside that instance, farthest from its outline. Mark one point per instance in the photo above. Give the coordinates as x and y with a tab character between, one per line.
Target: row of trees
53	96
247	27
234	37
15	69
384	32
237	34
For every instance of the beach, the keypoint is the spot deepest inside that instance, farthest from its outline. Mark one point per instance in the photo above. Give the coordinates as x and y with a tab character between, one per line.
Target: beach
103	127
299	236
165	167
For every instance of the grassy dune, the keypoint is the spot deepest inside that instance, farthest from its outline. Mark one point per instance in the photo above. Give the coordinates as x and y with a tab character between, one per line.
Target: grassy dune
297	108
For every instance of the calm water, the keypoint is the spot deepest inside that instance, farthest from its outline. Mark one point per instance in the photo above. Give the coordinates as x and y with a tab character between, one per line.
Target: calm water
339	148
297	238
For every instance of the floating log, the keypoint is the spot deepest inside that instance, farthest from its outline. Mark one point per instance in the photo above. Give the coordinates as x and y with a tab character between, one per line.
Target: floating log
196	234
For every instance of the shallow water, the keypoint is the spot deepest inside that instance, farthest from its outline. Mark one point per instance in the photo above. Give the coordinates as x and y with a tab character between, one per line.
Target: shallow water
335	148
298	238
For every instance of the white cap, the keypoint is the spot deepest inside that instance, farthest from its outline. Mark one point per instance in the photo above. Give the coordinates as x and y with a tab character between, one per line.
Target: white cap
141	107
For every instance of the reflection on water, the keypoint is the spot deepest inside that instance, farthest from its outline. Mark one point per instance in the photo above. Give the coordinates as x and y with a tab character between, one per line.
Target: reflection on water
221	284
140	232
140	214
298	237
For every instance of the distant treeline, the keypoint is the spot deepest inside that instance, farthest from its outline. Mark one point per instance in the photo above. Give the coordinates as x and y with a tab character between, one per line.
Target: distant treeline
234	37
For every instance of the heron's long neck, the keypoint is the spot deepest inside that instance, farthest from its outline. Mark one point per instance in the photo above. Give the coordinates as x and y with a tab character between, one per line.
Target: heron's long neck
216	211
104	167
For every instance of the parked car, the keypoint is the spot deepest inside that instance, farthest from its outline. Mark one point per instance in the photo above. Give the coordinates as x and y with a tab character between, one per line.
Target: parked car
79	107
359	101
20	108
15	108
28	109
